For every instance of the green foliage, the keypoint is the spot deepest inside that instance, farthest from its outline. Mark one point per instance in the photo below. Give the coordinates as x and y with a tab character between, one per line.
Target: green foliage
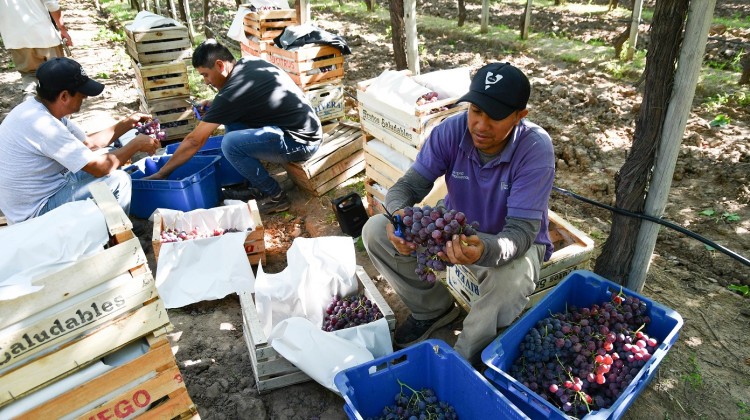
720	120
102	75
359	244
105	34
726	216
693	377
744	289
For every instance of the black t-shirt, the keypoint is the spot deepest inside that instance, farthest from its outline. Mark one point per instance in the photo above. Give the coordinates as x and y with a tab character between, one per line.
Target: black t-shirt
259	94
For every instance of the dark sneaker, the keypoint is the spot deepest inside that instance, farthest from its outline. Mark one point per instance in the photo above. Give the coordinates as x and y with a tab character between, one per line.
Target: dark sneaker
242	194
275	204
412	331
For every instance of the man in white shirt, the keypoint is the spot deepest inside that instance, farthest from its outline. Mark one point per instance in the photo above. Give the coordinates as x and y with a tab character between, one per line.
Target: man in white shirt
30	36
46	160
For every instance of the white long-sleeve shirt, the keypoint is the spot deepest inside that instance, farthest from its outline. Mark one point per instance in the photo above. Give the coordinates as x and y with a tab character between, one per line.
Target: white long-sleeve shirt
27	24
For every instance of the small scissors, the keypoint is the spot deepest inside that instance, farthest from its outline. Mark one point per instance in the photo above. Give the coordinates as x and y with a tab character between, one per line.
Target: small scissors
398	225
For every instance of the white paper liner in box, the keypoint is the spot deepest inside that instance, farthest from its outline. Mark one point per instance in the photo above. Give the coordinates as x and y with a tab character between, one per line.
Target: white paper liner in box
48	243
393	90
146	20
393	156
321	355
449	83
208	268
236	30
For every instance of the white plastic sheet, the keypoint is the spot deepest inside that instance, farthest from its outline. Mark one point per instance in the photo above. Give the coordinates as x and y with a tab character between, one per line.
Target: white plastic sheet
236	30
145	20
209	268
450	83
396	90
50	243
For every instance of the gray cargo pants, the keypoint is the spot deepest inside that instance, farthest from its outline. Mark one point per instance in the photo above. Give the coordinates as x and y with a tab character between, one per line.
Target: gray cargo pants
503	290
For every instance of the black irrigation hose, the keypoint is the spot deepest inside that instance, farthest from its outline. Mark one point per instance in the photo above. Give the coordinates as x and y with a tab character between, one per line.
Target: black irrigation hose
670	225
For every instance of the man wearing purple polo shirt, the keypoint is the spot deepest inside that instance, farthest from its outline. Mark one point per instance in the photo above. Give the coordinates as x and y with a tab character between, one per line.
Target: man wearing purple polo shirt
499	169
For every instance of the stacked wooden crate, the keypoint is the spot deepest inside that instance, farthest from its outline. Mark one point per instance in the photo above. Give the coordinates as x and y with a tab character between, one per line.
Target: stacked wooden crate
84	313
393	138
159	59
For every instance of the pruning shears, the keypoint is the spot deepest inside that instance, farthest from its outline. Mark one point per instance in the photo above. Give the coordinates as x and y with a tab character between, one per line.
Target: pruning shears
398	226
196	108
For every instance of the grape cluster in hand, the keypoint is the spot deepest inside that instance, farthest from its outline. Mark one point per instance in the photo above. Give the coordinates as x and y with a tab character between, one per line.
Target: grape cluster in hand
151	128
583	359
431	228
175	235
416	405
350	312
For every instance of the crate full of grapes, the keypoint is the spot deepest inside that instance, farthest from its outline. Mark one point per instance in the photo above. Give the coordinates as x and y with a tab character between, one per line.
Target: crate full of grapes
158	81
271	370
586	350
158	45
428	379
175	115
268	24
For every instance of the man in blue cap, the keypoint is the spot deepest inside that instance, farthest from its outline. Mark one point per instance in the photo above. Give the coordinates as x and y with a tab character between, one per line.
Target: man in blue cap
46	160
499	169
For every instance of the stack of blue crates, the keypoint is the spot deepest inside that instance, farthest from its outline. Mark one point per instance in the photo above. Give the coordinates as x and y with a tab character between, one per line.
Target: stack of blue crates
191	186
429	364
226	173
580	288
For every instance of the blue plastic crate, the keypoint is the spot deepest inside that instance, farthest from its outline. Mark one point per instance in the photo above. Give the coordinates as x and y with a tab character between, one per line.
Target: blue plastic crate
192	186
580	288
429	364
227	174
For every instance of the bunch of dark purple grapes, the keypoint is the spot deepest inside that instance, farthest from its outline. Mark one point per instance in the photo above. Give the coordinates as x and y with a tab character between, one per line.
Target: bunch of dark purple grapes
151	128
412	404
431	228
350	312
583	359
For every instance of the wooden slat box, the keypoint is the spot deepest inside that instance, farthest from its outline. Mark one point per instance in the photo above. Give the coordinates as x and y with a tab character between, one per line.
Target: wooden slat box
573	249
338	158
256	49
309	64
130	389
270	369
84	311
159	81
160	45
255	245
327	100
384	164
175	115
268	24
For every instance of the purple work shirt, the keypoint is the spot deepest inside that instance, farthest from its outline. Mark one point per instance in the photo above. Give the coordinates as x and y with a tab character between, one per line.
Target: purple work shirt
517	183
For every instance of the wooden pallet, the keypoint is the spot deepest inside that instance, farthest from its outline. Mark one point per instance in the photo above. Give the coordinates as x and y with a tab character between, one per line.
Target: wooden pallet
84	311
159	81
310	64
149	385
175	115
255	245
160	45
270	369
268	24
573	249
338	158
327	100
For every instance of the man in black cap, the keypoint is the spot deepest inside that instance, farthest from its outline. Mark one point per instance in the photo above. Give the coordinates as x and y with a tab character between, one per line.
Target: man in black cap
46	160
499	169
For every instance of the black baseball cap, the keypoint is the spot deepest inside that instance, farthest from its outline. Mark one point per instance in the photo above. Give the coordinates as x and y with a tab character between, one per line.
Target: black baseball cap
498	89
61	73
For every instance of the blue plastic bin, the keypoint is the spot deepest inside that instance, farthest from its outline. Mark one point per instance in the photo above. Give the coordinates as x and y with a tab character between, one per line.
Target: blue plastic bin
429	364
580	288
227	174
192	186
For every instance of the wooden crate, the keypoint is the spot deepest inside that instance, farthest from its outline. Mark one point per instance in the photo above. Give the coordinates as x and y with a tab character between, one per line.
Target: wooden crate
268	24
159	81
160	45
327	100
150	385
384	164
338	158
255	49
84	311
573	249
310	64
175	115
270	369
255	245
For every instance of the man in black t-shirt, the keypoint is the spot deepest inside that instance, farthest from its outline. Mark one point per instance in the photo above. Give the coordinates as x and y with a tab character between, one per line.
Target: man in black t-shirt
266	116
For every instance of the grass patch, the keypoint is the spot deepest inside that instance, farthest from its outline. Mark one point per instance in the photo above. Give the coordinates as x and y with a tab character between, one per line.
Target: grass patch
736	21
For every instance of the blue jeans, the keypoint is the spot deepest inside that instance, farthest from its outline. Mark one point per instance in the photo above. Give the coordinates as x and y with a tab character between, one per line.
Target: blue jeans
245	147
76	189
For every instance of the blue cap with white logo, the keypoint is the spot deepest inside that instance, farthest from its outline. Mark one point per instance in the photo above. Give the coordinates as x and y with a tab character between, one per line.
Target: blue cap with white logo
499	89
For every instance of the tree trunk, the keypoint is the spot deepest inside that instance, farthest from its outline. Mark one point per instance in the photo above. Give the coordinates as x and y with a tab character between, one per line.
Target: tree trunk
206	11
238	2
631	182
745	78
183	16
398	33
370	5
461	12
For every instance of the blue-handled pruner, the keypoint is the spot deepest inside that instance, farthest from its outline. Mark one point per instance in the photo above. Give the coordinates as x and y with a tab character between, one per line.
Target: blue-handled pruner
398	226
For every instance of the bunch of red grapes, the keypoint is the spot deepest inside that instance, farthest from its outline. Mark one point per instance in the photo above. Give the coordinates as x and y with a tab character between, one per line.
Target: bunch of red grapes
176	235
431	228
583	359
350	312
413	404
151	128
429	98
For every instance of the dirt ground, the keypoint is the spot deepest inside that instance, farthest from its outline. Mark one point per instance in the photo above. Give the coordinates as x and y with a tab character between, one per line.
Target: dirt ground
590	115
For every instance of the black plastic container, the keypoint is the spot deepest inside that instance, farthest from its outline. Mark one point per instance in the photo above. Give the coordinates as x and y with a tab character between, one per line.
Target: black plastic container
350	213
